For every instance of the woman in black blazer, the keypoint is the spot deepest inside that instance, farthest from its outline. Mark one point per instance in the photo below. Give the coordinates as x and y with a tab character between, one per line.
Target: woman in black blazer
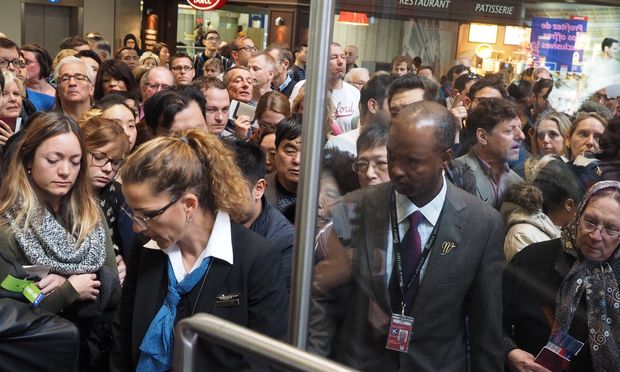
182	193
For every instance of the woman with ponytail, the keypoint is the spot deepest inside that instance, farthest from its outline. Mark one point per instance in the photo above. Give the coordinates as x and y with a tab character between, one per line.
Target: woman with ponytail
184	193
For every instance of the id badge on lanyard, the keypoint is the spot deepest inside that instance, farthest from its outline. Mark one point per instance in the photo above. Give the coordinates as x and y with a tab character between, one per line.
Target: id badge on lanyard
401	325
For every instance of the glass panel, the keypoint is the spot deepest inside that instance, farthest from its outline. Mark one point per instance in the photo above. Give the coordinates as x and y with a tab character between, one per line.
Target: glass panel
229	22
458	305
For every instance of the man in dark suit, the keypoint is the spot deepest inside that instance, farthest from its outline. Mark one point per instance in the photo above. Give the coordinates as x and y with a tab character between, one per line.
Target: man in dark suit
456	310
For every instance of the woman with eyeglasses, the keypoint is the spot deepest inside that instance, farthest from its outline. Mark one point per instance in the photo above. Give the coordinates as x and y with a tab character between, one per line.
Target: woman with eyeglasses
569	286
106	144
184	193
114	76
49	218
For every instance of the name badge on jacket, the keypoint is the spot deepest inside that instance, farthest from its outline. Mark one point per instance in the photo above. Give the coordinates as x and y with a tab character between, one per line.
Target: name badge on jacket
227	300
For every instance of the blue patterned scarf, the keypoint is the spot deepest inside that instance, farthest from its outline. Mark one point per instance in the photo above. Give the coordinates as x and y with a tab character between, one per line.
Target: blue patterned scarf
156	347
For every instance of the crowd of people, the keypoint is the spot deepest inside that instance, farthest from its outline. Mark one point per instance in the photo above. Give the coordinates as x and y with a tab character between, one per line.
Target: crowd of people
463	222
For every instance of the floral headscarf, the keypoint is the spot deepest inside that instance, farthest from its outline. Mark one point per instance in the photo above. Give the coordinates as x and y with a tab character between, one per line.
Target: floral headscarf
598	281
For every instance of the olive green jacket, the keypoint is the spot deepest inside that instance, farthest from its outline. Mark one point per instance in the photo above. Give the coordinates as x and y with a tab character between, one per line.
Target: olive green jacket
65	295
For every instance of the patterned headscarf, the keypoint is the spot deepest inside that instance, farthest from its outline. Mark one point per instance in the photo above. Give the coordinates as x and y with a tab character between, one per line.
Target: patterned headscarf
598	282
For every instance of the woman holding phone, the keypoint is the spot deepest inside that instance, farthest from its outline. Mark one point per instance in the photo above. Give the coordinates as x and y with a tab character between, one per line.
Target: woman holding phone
13	94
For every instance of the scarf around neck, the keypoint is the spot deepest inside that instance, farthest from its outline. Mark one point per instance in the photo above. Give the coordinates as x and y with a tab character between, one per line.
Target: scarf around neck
156	346
47	242
598	282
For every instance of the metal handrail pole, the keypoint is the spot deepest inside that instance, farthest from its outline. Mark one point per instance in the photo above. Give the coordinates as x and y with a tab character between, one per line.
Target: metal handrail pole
244	341
321	23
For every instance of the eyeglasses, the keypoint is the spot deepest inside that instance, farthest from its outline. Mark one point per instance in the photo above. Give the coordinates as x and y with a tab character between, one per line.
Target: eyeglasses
78	77
156	86
606	232
361	166
249	49
4	63
100	160
213	39
144	221
181	68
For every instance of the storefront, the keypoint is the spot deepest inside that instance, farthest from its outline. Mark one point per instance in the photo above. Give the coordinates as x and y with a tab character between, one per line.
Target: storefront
179	24
493	36
430	29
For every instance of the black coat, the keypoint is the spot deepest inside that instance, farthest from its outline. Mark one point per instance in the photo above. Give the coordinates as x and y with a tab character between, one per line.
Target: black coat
256	276
530	285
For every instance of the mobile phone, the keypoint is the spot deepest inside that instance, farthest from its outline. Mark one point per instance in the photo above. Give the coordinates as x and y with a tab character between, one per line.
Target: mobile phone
239	108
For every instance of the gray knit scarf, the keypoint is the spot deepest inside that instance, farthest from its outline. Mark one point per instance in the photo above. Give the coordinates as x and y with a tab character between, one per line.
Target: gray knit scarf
47	242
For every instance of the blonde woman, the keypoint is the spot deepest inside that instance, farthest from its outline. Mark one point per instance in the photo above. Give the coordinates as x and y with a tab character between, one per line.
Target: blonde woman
49	216
11	105
184	193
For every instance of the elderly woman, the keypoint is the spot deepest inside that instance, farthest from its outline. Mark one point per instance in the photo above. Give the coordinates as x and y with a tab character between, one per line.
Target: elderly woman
569	284
184	194
49	217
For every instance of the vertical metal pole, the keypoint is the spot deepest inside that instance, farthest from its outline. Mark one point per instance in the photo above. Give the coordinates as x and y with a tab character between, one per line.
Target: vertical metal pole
321	23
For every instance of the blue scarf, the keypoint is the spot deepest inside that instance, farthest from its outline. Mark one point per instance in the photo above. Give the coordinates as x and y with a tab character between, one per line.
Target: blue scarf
156	347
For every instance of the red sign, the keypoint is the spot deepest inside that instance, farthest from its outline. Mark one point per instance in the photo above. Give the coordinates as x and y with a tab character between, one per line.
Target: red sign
206	4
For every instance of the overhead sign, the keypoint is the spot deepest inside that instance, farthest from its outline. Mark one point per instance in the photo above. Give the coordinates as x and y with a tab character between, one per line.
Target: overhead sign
206	4
493	11
554	42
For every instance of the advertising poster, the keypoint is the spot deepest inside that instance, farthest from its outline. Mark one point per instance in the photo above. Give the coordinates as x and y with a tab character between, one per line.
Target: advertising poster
553	43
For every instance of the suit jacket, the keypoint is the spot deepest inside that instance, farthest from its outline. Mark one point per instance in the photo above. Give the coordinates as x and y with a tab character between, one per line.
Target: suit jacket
460	290
484	187
256	276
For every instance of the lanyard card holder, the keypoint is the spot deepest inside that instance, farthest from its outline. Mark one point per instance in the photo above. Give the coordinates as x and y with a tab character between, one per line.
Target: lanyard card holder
399	334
